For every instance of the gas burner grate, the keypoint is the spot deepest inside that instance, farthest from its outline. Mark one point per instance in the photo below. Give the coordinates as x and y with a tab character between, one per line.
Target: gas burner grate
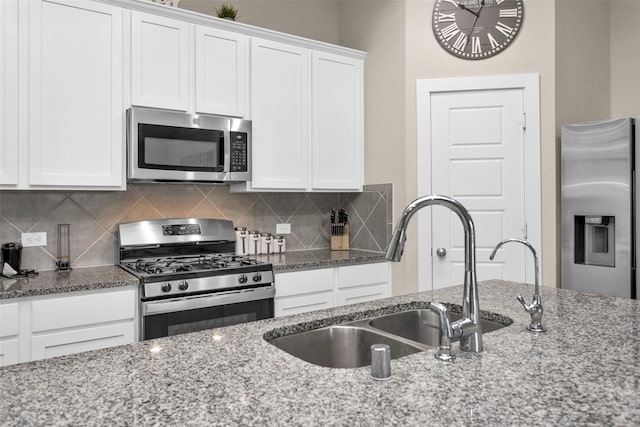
210	262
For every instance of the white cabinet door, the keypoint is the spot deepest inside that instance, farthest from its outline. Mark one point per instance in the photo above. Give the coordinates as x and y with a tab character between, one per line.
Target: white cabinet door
76	111
366	282
72	324
79	340
302	291
161	62
9	353
337	123
8	93
222	73
280	110
307	290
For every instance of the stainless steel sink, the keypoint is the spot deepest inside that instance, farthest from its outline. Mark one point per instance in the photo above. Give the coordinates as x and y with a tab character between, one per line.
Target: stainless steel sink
348	345
340	346
422	325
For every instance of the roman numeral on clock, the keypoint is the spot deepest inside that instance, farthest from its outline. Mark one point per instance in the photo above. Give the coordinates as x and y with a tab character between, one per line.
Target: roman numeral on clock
450	31
504	29
460	42
446	17
476	47
509	13
494	43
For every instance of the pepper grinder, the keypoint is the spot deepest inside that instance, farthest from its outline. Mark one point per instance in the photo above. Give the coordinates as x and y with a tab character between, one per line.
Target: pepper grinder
64	259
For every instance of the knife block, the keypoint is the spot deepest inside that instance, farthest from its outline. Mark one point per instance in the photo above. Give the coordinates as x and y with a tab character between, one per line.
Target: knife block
341	242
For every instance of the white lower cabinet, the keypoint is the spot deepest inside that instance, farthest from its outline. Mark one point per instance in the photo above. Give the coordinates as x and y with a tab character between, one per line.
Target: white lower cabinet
35	328
360	283
72	324
302	291
9	350
309	290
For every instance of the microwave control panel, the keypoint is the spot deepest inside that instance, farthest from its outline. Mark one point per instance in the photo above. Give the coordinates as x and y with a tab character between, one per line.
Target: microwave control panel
238	151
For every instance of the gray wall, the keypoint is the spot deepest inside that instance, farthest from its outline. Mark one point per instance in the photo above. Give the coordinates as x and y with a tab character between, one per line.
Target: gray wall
94	216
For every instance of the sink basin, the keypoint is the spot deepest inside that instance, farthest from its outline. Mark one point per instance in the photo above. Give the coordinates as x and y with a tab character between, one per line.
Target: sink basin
348	345
422	325
339	346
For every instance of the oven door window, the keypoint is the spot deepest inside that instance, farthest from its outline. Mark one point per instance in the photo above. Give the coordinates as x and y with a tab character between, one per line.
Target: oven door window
180	322
182	149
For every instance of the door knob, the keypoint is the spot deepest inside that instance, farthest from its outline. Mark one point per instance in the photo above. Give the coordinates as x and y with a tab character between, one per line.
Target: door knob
441	252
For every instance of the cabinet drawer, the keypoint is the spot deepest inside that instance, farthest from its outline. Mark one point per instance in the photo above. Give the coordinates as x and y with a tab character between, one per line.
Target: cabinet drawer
8	320
303	282
303	303
366	274
9	353
79	310
76	341
366	293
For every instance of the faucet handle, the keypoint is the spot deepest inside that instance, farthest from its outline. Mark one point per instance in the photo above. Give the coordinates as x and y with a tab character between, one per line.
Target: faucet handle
526	306
535	310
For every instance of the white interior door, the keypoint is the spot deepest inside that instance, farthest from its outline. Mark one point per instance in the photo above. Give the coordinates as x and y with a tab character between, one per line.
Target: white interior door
474	144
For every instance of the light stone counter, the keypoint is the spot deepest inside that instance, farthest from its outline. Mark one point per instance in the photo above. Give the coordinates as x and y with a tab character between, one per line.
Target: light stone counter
84	279
320	258
584	371
54	282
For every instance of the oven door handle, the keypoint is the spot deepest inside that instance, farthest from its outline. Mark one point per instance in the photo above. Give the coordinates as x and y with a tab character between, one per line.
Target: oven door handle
209	300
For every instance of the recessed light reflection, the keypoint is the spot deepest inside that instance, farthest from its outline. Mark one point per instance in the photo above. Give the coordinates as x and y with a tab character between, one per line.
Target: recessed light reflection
155	349
217	337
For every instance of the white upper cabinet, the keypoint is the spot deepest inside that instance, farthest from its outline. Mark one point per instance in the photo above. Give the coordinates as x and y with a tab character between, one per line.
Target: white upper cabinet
222	73
307	113
165	55
160	61
75	105
337	123
280	112
8	93
69	69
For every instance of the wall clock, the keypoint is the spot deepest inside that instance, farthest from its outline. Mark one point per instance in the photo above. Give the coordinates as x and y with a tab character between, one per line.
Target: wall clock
476	29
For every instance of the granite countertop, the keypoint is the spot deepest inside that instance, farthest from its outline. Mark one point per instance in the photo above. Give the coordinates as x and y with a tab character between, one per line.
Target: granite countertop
319	258
53	282
84	279
583	371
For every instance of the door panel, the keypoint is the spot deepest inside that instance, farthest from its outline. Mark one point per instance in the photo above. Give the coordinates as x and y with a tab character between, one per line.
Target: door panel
477	158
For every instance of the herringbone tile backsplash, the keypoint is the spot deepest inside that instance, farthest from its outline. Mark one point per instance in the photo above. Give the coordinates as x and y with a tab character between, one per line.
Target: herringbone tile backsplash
94	217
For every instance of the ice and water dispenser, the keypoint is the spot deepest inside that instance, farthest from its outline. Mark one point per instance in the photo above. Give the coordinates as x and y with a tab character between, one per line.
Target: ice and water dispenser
595	242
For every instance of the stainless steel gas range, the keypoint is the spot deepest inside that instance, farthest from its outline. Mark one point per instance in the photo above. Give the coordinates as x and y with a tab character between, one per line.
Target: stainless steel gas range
191	278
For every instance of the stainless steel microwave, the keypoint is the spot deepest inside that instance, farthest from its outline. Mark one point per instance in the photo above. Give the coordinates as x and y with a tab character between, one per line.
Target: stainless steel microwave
169	146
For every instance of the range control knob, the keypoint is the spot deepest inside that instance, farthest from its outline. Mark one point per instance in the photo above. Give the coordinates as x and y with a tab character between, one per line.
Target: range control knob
242	278
166	287
183	285
257	277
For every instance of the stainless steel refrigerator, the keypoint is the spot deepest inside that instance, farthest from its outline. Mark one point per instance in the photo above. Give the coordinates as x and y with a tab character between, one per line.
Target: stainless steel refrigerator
599	216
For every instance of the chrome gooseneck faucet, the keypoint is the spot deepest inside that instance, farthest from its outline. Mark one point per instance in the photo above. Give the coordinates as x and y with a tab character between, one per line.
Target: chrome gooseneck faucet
535	308
468	328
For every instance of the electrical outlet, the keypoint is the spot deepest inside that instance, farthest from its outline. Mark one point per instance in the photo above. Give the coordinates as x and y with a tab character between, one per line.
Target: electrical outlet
283	228
34	239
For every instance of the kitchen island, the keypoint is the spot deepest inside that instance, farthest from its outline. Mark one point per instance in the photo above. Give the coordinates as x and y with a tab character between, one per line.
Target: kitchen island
583	371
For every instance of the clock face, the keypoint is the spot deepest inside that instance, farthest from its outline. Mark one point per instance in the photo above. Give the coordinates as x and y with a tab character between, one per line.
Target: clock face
476	29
